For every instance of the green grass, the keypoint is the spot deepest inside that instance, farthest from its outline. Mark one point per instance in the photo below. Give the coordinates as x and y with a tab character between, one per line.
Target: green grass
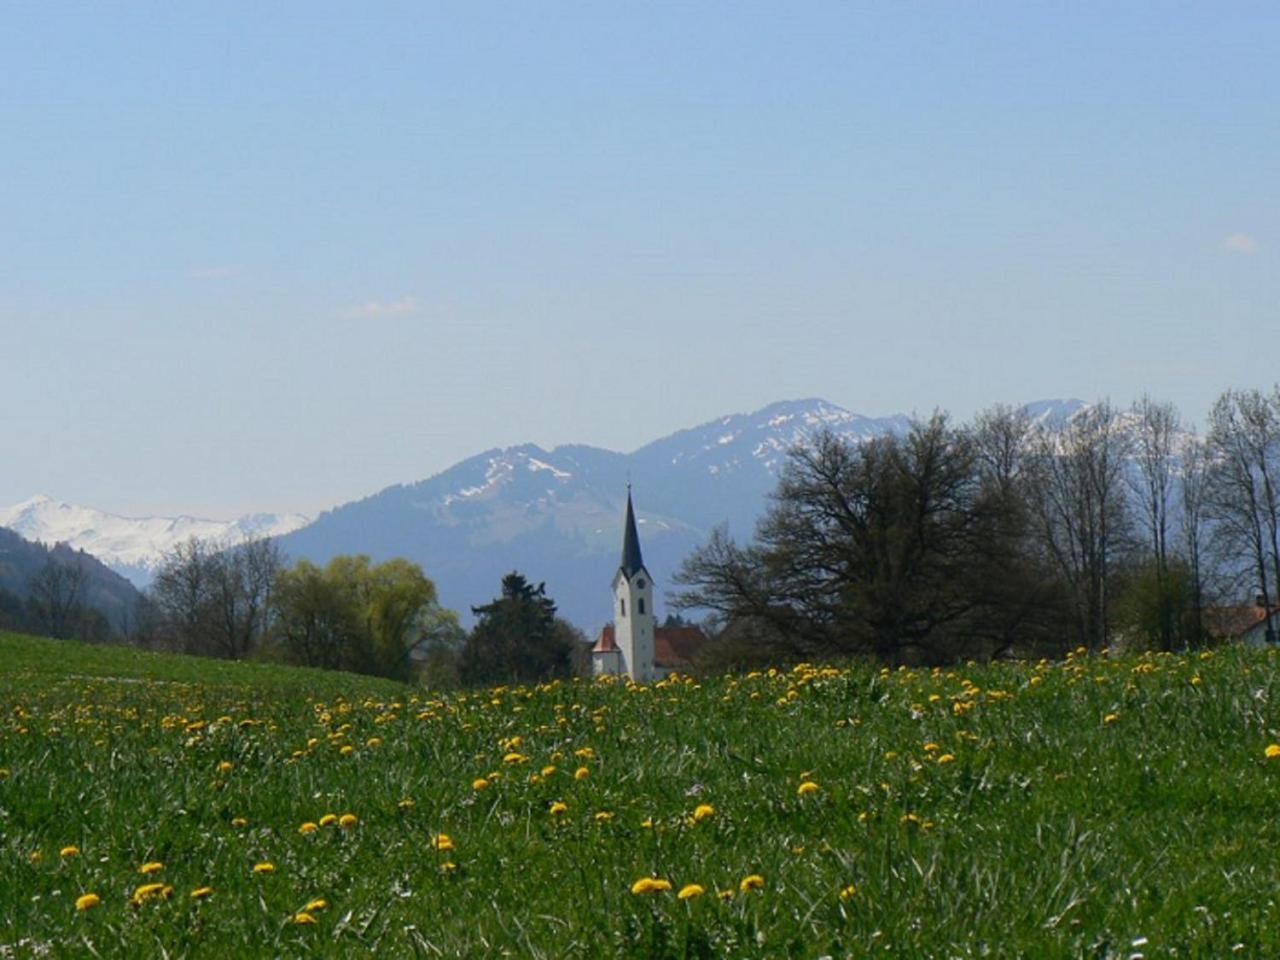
1052	831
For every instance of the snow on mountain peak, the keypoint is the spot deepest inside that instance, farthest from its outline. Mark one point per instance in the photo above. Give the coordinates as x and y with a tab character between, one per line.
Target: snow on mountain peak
131	546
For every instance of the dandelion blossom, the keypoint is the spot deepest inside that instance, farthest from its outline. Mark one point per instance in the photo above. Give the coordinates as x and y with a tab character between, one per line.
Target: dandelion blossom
308	827
848	892
87	901
315	905
702	811
199	893
581	773
264	867
752	881
558	808
151	866
303	917
650	885
442	842
239	822
807	788
224	766
150	891
328	820
946	758
71	850
348	820
690	890
479	783
405	804
1111	718
1272	751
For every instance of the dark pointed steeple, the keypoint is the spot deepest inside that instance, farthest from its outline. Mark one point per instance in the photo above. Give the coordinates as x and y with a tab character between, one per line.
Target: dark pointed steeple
631	559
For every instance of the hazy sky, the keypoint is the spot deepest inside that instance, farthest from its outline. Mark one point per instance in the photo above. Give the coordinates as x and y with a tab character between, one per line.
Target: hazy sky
273	256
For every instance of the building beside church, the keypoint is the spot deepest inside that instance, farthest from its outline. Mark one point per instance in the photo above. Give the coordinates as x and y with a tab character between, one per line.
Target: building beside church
634	644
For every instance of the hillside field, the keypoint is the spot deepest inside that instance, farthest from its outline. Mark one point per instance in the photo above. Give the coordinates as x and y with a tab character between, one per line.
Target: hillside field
157	805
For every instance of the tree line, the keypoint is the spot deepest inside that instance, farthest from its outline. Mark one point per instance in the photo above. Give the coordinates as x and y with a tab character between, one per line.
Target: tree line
243	601
1004	536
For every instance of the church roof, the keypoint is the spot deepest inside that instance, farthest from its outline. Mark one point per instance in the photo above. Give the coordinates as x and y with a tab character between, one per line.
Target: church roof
631	559
673	647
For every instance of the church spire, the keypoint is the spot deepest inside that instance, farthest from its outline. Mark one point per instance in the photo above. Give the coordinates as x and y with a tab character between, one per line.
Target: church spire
631	559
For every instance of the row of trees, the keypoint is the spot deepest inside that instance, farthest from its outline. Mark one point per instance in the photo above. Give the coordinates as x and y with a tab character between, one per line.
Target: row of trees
1005	536
242	601
55	604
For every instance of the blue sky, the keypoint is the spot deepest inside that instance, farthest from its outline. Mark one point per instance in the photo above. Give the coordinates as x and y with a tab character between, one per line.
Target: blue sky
277	256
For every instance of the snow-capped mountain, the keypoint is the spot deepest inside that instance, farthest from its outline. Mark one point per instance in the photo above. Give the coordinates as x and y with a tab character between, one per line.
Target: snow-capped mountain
132	546
556	515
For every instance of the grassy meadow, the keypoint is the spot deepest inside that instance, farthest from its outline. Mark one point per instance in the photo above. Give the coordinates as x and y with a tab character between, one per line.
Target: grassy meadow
165	806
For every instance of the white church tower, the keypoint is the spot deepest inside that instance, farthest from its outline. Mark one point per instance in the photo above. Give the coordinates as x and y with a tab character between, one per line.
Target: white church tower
633	620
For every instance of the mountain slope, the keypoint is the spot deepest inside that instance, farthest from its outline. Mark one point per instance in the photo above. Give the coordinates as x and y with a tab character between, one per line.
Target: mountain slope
132	546
103	589
557	515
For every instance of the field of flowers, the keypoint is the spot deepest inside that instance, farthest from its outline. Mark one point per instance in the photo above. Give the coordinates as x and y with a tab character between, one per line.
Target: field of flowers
161	806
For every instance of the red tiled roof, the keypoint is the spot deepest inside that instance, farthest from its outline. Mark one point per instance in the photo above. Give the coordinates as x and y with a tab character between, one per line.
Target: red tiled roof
673	647
676	647
605	642
1224	622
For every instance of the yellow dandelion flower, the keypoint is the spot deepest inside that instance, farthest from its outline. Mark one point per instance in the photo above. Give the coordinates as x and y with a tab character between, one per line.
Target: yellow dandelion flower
1272	751
151	866
752	881
702	811
1111	718
87	901
346	749
647	823
447	866
373	742
264	867
930	747
348	820
585	753
71	850
150	891
650	885
405	804
558	808
548	770
581	773
239	822
724	894
308	827
807	788
690	890
442	842
303	917
224	766
603	816
199	893
946	758
328	820
514	757
848	892
479	783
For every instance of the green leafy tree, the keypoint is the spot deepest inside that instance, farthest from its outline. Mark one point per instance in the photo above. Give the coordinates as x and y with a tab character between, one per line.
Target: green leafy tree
352	614
516	638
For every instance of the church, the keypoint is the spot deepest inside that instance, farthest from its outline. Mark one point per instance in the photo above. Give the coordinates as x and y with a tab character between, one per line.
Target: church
634	645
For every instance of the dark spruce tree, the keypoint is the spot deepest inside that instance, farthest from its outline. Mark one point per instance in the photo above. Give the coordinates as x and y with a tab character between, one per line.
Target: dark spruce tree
516	638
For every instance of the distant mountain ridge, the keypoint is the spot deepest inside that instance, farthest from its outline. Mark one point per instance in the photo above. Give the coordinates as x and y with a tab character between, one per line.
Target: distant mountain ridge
556	515
131	546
